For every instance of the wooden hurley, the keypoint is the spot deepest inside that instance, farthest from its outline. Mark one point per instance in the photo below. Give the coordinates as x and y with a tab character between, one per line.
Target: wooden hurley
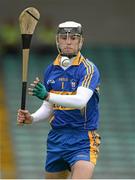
28	20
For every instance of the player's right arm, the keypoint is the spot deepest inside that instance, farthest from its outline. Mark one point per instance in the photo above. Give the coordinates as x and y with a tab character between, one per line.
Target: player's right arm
43	113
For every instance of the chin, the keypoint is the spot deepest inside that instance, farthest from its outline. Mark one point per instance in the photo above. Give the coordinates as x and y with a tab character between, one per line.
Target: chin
70	55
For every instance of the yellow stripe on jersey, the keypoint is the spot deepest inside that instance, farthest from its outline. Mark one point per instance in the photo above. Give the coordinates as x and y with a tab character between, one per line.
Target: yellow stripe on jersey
63	92
58	107
51	118
88	76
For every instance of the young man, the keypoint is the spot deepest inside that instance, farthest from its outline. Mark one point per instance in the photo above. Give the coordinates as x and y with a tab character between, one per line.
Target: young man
70	95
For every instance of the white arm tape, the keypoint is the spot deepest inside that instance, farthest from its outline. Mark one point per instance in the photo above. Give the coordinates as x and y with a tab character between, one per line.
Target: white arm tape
72	101
43	113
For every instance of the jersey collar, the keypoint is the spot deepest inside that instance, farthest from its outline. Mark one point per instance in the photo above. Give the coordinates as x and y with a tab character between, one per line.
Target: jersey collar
78	59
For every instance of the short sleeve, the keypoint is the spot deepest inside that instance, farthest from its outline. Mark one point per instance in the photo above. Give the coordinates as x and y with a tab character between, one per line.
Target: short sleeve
89	75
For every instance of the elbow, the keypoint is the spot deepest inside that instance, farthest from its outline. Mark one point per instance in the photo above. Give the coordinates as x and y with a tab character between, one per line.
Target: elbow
82	104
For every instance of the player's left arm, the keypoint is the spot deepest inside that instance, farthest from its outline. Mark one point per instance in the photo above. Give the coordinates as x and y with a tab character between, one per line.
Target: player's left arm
86	87
89	81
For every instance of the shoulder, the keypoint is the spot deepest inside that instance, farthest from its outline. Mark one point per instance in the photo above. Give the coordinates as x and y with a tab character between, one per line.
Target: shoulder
89	66
48	69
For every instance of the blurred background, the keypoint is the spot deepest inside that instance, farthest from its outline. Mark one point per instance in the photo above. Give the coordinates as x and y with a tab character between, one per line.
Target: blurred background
109	31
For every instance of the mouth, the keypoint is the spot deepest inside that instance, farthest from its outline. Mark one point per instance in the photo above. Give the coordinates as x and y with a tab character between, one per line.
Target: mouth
68	48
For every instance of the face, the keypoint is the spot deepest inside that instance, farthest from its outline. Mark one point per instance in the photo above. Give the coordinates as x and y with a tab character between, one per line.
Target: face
69	43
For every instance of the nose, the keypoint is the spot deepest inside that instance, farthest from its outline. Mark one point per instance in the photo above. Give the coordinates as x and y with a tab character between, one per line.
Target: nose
68	40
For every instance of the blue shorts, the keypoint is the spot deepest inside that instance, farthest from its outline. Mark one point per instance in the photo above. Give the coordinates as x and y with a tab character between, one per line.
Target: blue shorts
65	147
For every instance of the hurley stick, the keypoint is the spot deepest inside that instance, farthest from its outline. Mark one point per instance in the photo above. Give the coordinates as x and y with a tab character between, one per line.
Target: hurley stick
28	20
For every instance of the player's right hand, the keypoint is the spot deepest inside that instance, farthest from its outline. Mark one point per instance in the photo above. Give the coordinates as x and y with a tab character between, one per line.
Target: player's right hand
24	117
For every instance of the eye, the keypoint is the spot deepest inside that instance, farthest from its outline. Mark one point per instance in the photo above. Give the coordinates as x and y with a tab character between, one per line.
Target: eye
73	37
64	37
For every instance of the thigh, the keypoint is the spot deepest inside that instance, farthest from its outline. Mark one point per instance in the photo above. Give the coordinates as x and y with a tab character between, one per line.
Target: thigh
57	175
82	170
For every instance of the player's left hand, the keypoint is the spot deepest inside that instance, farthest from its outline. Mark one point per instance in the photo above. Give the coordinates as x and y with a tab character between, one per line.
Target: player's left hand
38	89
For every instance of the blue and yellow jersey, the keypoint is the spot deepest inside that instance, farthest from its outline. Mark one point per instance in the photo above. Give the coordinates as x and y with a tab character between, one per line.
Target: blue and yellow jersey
84	73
